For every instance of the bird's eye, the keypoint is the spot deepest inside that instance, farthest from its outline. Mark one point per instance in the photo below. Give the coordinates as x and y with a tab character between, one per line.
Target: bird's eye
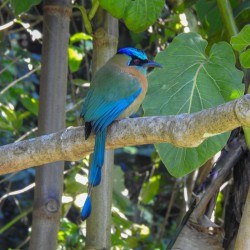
136	61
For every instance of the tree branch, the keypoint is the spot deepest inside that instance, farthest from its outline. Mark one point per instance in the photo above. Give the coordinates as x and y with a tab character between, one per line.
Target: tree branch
185	130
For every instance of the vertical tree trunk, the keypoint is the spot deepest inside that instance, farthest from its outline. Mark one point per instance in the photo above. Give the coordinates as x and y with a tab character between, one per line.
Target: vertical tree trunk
49	178
99	223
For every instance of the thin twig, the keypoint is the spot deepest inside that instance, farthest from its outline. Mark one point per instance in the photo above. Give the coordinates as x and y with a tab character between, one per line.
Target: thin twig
14	61
9	176
27	134
20	191
24	28
16	219
20	79
7	25
4	3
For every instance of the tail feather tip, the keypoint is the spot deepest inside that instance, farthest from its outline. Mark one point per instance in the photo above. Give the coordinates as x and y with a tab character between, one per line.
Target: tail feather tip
86	210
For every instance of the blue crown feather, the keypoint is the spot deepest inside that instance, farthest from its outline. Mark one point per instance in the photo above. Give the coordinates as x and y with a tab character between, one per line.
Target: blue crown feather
133	52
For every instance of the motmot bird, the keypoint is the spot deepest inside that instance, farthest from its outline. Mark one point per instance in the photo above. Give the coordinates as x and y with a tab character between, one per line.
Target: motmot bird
117	91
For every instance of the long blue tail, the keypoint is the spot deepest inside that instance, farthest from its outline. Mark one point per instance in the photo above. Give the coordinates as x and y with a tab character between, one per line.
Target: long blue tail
95	170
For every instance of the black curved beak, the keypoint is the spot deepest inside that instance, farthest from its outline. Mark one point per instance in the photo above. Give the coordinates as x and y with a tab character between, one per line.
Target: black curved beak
151	64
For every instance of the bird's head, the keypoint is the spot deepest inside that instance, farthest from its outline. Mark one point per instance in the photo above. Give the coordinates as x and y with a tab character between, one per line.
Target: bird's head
138	58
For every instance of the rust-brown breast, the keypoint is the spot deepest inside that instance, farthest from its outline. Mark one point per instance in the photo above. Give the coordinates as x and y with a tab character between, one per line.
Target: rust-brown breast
144	84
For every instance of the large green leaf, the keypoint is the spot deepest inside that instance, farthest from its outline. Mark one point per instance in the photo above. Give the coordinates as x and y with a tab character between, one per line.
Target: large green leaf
241	42
190	81
20	6
138	15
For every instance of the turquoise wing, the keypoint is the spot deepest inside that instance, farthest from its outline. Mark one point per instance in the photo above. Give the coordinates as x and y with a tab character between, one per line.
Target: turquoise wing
111	93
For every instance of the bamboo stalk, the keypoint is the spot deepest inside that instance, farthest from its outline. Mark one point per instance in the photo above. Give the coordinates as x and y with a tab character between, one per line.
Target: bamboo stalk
49	184
99	223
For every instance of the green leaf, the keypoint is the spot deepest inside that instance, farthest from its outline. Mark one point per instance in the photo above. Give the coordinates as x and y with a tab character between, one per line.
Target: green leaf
20	6
18	123
120	200
115	7
241	8
8	113
138	15
190	81
30	104
75	56
5	125
209	16
74	183
150	189
245	59
240	43
79	37
181	161
242	40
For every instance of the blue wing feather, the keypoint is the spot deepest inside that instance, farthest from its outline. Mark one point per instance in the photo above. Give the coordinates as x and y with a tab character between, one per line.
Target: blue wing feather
112	111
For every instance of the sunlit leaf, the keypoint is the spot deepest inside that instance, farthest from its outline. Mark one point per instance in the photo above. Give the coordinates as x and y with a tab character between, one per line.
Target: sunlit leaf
219	206
7	113
75	56
192	80
79	37
75	183
144	230
30	104
69	235
150	189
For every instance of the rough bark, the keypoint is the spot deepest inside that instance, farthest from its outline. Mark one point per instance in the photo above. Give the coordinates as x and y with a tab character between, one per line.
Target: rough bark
193	239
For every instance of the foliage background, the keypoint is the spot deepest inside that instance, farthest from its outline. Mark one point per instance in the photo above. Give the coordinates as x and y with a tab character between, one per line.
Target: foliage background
148	203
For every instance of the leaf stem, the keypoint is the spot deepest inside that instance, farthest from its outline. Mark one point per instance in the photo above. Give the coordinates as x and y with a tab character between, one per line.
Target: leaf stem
16	219
86	21
227	16
93	10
